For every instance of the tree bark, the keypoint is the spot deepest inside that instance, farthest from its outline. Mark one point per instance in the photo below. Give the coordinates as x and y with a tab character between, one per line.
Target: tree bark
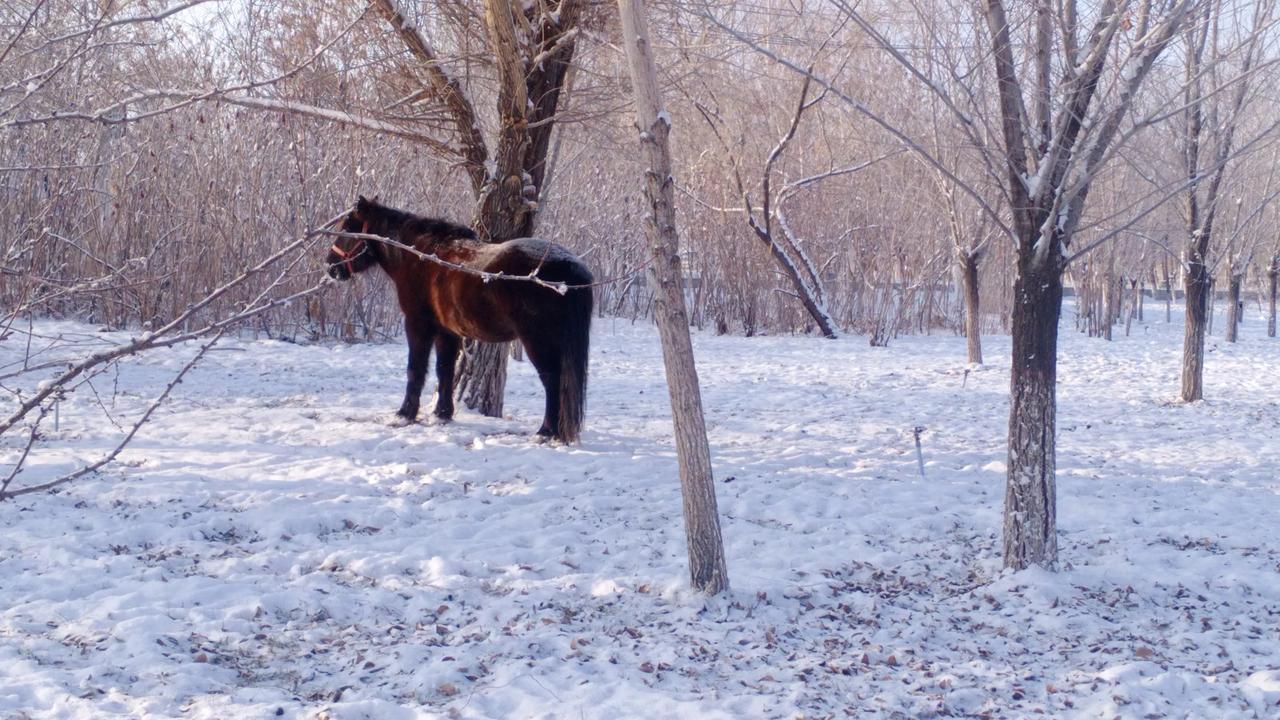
482	376
108	138
1109	310
968	270
1030	519
707	568
810	296
1045	214
1273	275
1202	208
1213	300
1233	307
1197	302
1135	305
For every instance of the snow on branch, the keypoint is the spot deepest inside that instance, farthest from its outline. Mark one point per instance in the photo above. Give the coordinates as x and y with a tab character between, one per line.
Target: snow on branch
48	393
557	287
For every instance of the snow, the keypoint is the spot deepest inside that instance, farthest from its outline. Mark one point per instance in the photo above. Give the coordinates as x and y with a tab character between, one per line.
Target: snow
1033	182
1131	69
271	546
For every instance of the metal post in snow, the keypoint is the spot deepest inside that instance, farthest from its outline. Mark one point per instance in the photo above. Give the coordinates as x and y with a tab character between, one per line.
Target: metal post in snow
919	453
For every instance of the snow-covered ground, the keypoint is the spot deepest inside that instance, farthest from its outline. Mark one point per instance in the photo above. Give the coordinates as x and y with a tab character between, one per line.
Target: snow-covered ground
270	546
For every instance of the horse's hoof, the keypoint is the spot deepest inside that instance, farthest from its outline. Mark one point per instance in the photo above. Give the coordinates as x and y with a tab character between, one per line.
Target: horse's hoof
441	419
399	420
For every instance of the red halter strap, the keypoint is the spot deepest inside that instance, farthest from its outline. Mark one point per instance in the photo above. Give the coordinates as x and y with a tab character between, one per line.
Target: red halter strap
349	256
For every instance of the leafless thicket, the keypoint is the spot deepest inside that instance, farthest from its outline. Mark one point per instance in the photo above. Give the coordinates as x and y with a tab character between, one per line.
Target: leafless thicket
134	138
237	128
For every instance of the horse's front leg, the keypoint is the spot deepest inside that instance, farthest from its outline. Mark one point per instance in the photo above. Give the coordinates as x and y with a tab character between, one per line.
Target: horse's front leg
420	338
447	348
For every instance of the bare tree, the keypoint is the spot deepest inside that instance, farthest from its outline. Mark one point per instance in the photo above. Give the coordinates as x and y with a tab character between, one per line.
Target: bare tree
707	568
1057	136
970	245
769	222
1204	90
1050	167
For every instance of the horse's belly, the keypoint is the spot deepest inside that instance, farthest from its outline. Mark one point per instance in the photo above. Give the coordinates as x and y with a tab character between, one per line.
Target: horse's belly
479	332
473	315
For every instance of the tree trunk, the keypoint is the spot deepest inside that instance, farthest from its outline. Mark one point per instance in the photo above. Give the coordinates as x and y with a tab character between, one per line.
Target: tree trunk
507	197
810	296
707	568
1168	290
1109	310
108	139
1272	275
968	270
1197	301
1030	510
1233	307
1135	306
1213	300
482	376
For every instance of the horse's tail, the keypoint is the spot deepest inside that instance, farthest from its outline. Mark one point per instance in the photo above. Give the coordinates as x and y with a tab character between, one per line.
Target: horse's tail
575	345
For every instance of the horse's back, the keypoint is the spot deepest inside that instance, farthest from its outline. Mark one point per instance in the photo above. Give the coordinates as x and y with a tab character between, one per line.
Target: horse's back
499	310
552	261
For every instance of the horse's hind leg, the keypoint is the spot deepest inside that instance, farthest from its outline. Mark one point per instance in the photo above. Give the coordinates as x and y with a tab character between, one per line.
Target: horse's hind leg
420	339
447	347
546	360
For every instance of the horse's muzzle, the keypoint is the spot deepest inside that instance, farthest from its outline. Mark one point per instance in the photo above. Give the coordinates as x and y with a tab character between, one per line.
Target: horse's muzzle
338	271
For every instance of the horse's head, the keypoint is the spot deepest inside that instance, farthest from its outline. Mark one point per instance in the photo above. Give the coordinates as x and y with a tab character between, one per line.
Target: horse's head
350	255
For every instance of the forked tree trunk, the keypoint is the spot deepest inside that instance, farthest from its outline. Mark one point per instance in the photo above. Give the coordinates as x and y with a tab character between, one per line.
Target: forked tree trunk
968	270
1055	203
1030	518
509	187
707	569
810	296
1233	308
1273	275
1197	322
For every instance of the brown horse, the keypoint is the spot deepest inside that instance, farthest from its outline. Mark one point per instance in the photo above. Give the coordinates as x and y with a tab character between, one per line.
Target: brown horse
443	304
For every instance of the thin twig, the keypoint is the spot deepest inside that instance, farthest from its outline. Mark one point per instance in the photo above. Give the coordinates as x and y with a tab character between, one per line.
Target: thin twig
5	494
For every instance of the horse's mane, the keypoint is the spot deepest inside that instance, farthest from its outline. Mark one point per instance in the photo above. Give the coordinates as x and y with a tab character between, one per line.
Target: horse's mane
413	229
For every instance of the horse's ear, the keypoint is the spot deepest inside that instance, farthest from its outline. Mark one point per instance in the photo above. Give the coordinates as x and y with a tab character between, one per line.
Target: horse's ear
362	207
